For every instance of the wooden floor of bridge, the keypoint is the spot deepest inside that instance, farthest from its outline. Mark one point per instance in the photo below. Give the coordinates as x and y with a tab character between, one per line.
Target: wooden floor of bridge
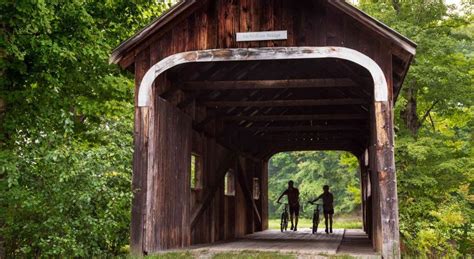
301	243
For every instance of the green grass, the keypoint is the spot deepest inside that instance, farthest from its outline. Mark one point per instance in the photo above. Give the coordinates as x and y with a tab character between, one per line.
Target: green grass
172	255
347	223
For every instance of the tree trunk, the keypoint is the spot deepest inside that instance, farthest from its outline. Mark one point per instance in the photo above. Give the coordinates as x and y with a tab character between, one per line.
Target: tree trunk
409	113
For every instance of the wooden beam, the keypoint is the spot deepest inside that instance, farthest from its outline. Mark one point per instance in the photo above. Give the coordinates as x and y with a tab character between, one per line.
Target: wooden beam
209	118
260	54
277	135
386	179
220	172
286	103
308	139
287	117
325	143
247	193
305	128
268	84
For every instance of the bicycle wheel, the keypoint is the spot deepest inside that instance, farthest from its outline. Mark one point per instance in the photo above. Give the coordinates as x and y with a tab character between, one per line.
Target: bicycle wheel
315	223
314	228
282	222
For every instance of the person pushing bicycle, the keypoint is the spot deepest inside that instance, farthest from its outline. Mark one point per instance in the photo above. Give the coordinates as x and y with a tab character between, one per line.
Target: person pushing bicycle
293	195
328	207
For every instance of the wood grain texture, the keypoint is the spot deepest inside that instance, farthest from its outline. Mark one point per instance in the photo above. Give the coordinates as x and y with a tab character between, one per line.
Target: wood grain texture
140	161
168	181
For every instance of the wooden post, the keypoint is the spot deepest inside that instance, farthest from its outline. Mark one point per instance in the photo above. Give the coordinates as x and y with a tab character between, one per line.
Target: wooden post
385	170
167	219
363	191
264	193
140	156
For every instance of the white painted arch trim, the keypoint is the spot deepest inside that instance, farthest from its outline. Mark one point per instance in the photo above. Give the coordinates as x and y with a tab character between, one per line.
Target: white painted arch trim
256	54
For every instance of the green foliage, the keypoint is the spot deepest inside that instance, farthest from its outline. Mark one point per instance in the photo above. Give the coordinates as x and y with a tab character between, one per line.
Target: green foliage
172	255
311	171
67	126
435	155
435	193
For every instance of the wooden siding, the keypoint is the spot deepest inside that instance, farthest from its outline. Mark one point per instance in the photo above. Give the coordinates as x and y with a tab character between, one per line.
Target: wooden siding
165	212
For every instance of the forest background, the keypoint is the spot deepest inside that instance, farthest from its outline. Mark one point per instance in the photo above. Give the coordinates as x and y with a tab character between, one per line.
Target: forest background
65	163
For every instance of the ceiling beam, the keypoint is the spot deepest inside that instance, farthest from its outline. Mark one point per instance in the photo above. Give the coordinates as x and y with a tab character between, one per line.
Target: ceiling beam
286	103
268	84
296	117
318	128
308	135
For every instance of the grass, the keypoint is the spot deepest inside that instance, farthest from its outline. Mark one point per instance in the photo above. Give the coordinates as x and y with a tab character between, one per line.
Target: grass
172	255
340	222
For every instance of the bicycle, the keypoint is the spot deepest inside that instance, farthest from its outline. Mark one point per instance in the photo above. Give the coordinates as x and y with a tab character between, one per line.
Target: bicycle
316	219
284	219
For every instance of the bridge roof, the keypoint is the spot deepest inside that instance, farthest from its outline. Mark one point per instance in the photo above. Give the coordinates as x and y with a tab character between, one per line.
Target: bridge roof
187	7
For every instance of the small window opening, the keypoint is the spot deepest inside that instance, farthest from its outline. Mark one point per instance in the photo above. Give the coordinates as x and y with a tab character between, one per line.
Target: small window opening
229	183
196	171
366	157
256	188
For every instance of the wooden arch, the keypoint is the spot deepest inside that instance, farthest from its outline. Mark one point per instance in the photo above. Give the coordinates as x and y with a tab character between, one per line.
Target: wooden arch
147	238
258	54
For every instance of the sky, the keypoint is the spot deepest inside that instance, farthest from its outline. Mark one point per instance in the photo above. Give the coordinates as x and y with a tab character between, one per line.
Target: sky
457	2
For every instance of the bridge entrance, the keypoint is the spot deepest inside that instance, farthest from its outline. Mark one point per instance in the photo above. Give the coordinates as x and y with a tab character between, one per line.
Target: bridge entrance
212	109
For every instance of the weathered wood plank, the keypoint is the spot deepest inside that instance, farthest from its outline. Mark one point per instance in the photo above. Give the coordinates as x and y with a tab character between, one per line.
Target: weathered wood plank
168	183
268	84
277	53
286	103
285	117
140	161
304	128
387	180
247	191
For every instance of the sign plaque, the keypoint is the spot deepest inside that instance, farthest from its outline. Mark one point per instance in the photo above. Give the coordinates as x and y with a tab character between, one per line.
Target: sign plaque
261	36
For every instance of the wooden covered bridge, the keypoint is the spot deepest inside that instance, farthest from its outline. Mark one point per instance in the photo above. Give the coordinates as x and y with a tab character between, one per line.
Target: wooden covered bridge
222	85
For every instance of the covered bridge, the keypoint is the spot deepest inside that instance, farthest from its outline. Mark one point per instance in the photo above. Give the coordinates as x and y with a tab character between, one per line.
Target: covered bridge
222	85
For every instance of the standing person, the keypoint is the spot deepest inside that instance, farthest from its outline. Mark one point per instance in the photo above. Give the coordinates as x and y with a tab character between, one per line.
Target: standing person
328	207
293	195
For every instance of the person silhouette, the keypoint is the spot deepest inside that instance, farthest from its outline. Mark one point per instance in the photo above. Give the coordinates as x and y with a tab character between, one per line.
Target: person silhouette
328	207
293	195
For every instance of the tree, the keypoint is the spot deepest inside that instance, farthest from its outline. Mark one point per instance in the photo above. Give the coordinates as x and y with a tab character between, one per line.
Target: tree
66	126
434	117
311	171
440	77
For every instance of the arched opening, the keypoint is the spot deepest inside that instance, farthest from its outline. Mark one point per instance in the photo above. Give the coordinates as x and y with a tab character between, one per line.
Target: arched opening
380	87
310	171
238	107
